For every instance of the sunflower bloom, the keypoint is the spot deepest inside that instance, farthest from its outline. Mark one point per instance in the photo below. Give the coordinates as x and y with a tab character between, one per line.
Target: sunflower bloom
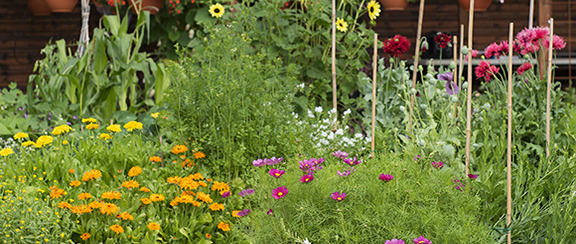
216	10
92	175
85	236
341	25
179	149
109	208
116	228
6	151
114	128
111	195
20	135
105	136
224	226
132	125
373	10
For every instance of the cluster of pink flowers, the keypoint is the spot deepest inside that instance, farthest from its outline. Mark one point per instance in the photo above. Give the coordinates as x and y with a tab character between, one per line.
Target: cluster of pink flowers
496	50
419	240
484	70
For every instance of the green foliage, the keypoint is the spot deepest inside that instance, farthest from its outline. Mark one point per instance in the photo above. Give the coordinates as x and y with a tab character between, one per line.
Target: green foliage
232	100
420	200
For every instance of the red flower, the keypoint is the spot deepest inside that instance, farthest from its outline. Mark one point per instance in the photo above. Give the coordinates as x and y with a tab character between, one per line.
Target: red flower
396	45
442	40
523	68
484	70
496	50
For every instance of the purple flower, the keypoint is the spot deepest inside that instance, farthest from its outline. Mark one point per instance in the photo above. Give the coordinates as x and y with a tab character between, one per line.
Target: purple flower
437	165
269	212
346	173
452	88
446	76
279	192
273	160
246	192
307	178
352	162
258	162
472	176
74	117
276	173
386	177
417	158
243	212
311	165
338	196
394	241
340	154
421	240
226	194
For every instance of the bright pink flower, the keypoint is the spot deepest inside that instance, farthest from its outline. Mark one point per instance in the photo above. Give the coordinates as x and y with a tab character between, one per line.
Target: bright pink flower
394	241
307	178
396	45
386	177
338	196
496	50
437	165
523	68
279	192
473	52
472	176
443	40
558	42
276	172
484	70
529	39
421	240
541	32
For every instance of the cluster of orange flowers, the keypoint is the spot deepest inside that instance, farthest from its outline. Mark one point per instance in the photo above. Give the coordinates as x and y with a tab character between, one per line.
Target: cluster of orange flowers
55	192
92	175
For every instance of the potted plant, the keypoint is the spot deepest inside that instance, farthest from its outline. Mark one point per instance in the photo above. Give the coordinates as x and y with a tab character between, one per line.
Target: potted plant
39	7
395	4
479	5
61	6
147	5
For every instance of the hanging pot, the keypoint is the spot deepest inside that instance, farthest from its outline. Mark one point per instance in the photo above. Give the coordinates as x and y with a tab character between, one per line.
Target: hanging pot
61	6
479	5
39	7
394	4
147	5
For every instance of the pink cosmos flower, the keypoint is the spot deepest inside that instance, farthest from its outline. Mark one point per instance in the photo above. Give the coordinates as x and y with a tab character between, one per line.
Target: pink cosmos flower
338	196
386	177
421	240
279	192
523	68
306	178
394	241
276	173
484	70
437	165
352	162
340	154
472	176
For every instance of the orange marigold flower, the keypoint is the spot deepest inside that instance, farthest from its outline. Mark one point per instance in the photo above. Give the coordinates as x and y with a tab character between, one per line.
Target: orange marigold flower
108	208
84	196
182	156
92	175
125	216
197	176
208	235
198	155
85	236
116	228
130	184
196	203
153	226
216	206
95	204
179	149
64	205
156	197
71	171
188	183
75	183
80	209
144	189
202	183
146	200
174	202
56	193
209	179
220	186
174	180
111	195
204	197
224	226
134	171
235	213
155	159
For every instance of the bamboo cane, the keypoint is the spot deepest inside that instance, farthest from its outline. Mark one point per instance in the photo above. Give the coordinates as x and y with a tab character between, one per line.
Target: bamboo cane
469	90
531	14
549	84
509	163
334	93
416	59
461	66
454	76
374	71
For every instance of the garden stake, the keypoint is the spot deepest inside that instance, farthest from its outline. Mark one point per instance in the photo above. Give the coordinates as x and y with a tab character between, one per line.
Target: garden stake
334	99
509	163
454	71
531	14
374	68
549	83
416	58
461	55
84	32
469	89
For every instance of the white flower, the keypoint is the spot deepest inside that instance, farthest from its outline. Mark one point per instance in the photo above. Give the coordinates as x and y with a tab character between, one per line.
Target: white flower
306	241
323	134
368	139
347	112
330	136
318	144
339	132
333	110
310	114
358	135
295	115
324	141
326	121
301	86
323	127
318	109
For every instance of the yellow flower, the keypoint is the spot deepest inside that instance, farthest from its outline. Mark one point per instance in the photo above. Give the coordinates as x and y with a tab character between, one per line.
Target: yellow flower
56	193
155	115
223	226
198	155
125	216
61	129
216	207
373	9
116	228
85	236
20	135
81	209
146	200
6	151
156	197
64	205
71	171
130	184
235	213
341	25
179	149
111	195
27	143
114	128
155	159
92	126
216	10
84	196
144	189
134	171
44	140
75	183
65	142
130	126
92	174
108	208
105	136
89	120
153	226
220	186
204	197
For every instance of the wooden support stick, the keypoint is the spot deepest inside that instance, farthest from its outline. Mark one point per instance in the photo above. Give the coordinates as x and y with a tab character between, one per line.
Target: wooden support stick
461	69
416	59
549	84
469	90
454	72
334	93
509	162
374	71
531	14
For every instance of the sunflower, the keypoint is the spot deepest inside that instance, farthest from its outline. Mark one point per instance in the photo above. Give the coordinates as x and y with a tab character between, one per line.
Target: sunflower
341	25
373	10
216	10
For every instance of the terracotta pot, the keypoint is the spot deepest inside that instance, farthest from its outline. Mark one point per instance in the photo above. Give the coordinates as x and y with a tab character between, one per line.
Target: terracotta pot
61	6
147	5
394	4
39	7
479	5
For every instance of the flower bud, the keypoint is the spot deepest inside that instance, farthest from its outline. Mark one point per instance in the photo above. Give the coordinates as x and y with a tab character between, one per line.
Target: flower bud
454	99
465	85
412	91
423	106
452	65
464	50
402	108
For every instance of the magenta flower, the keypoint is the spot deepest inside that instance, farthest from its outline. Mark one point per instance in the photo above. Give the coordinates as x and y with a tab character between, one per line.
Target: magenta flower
394	241
226	194
523	68
276	172
279	192
472	176
386	177
437	165
421	240
346	173
311	165
473	52
246	192
243	212
307	178
352	162
558	42
340	154
269	212
417	157
446	76
484	70
338	196
258	162
273	160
